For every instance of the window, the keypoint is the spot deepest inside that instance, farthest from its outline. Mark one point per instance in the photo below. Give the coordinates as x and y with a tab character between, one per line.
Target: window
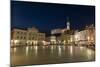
24	33
24	37
17	37
33	38
21	37
18	32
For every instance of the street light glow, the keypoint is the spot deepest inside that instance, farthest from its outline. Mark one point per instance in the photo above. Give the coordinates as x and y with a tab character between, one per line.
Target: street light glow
16	41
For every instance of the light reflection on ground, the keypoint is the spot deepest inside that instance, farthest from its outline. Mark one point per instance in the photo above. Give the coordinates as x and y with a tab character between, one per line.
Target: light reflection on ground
50	54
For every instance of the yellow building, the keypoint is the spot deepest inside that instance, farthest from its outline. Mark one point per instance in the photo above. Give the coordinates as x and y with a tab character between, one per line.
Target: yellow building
53	40
81	37
86	36
34	37
66	37
31	36
41	38
72	39
91	34
18	37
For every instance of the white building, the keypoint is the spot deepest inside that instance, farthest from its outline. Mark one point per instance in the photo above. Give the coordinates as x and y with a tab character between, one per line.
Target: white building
56	31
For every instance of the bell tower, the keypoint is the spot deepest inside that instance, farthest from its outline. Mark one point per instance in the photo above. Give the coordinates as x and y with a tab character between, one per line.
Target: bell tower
68	24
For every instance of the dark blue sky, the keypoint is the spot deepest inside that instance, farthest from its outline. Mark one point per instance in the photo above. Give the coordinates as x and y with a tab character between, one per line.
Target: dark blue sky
50	16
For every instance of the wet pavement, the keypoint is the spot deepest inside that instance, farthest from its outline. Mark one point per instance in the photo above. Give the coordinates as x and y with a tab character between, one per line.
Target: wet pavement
34	55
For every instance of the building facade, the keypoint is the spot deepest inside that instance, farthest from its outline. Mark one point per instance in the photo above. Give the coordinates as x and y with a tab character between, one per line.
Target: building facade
53	40
56	31
86	36
41	38
81	37
91	34
31	36
18	37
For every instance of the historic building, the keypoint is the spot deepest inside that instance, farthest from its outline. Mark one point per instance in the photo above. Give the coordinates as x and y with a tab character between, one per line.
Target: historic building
53	40
91	34
18	37
41	38
56	31
66	35
86	36
81	37
31	36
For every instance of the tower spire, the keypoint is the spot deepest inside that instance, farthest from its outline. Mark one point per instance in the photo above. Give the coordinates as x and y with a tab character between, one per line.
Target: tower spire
68	24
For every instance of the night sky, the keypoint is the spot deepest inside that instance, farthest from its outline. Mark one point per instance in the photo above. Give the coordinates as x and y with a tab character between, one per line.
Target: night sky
46	16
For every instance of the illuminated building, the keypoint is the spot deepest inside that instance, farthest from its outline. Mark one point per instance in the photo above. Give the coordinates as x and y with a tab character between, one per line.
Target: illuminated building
53	39
76	36
81	37
72	39
41	38
91	34
34	37
31	36
59	40
18	37
56	31
86	36
67	34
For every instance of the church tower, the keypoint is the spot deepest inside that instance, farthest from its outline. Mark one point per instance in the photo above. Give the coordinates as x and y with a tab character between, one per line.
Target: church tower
68	24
